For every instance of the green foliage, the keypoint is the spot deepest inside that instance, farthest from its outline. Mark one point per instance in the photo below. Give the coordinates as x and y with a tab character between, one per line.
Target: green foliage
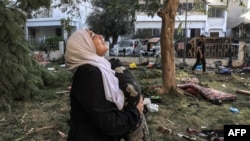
21	76
71	7
150	7
112	18
66	25
55	79
50	44
19	71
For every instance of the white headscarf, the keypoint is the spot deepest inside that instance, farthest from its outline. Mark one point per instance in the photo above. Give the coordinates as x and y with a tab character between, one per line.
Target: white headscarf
80	50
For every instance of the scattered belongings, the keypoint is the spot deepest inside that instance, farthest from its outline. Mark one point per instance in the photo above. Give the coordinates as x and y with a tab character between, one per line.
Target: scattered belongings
218	63
164	130
51	69
198	67
69	88
212	134
62	135
193	105
209	94
63	65
151	65
40	58
234	110
246	69
188	137
155	99
150	106
132	66
225	71
196	132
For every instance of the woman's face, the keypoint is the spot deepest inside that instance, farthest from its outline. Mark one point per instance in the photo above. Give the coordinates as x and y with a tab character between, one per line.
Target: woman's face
100	45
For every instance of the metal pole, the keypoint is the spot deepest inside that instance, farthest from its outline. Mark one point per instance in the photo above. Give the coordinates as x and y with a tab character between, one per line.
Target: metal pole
185	39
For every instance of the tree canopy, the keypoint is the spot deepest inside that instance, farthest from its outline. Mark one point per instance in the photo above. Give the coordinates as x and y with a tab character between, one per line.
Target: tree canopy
112	18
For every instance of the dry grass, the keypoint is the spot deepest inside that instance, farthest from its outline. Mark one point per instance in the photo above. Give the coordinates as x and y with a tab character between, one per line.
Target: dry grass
45	118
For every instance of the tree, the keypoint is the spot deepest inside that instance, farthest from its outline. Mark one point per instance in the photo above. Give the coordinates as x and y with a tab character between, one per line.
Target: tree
112	18
21	75
168	14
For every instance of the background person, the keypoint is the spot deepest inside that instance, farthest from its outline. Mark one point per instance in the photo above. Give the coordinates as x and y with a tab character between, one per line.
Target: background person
95	98
200	54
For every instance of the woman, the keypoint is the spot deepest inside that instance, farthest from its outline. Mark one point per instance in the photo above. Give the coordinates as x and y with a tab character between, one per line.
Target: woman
96	100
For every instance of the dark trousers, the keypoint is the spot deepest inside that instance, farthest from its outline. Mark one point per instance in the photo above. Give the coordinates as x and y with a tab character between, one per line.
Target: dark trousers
200	60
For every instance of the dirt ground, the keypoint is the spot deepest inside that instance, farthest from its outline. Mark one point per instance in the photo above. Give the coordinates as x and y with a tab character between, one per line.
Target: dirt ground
45	117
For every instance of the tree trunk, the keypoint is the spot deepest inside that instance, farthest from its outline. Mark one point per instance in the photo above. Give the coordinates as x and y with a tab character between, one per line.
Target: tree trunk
114	40
168	14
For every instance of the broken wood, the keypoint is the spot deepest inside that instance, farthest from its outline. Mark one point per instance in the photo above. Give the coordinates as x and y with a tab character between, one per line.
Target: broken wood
62	92
245	92
32	131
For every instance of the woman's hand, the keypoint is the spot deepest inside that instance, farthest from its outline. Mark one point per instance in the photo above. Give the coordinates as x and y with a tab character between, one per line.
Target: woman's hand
100	45
140	105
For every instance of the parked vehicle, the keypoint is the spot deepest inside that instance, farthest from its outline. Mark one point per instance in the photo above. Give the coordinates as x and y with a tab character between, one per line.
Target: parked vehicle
156	50
128	47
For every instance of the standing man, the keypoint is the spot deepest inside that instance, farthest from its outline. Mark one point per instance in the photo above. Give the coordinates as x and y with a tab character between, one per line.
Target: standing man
200	54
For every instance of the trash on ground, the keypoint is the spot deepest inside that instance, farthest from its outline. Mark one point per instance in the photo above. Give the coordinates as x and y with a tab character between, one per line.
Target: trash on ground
209	94
164	130
188	137
132	66
51	69
234	110
151	107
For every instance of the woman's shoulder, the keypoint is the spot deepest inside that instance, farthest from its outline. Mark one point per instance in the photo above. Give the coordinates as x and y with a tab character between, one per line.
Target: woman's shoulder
87	68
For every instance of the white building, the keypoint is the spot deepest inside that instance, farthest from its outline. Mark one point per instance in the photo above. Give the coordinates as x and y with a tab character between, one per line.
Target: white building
47	23
239	21
212	21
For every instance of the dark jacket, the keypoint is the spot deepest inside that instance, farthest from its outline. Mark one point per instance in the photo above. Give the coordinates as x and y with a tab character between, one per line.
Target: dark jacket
202	48
92	117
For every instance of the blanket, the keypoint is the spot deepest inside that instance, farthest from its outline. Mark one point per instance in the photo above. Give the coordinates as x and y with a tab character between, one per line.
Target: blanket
209	94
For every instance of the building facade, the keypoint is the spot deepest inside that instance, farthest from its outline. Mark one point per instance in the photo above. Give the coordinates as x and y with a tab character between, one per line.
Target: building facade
47	22
195	16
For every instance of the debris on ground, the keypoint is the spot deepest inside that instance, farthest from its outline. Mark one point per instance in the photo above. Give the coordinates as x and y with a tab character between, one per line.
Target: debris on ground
209	94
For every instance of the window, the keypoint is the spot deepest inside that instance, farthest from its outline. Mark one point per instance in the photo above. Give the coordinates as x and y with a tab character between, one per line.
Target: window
156	32
215	12
214	34
147	32
195	32
184	7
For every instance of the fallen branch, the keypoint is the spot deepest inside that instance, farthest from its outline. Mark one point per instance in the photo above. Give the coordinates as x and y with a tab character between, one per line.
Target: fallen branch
32	131
61	92
170	121
243	92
